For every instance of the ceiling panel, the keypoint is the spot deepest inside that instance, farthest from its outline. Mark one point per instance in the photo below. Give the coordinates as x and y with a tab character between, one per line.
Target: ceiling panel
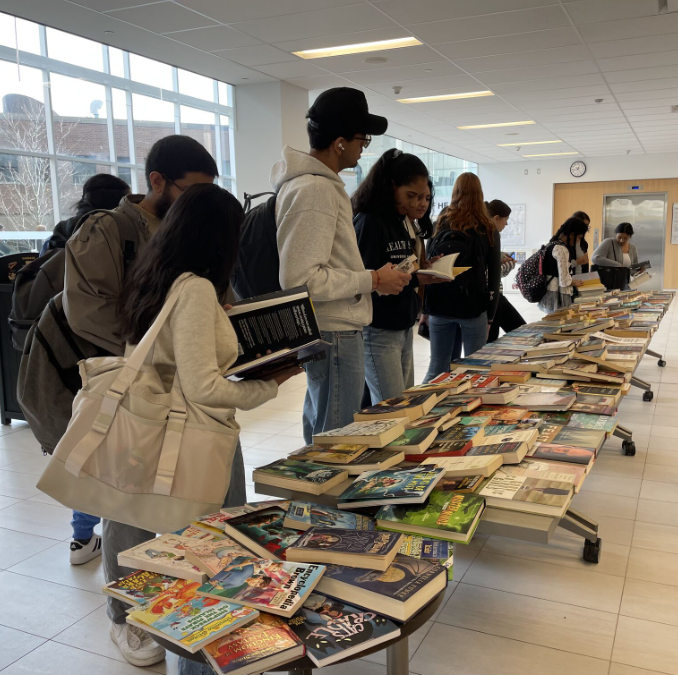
653	95
257	55
163	17
213	38
404	74
319	82
524	59
659	72
594	92
396	57
653	60
571	68
340	39
625	29
429	86
591	11
643	45
290	69
644	85
103	5
570	83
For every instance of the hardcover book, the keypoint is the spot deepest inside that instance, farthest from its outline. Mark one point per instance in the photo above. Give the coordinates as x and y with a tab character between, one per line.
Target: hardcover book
332	630
264	644
530	495
446	515
358	548
308	477
267	585
329	454
375	434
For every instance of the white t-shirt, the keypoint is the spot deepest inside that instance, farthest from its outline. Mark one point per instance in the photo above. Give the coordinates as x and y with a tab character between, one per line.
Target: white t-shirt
626	260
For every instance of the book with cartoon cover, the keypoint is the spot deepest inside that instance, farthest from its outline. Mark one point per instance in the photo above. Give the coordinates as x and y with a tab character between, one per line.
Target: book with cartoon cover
212	556
140	587
332	630
190	621
264	644
304	515
267	585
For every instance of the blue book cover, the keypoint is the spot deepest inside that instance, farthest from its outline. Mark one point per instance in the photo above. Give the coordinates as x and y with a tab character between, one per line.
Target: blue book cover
393	484
356	542
304	515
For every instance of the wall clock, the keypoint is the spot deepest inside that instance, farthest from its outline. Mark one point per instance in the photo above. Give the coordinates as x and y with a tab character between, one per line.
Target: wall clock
578	169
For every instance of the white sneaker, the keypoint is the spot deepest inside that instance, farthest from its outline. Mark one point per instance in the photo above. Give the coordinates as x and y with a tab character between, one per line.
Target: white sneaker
136	645
82	553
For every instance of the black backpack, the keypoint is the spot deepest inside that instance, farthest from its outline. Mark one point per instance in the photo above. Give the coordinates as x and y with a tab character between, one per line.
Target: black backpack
257	270
536	272
467	296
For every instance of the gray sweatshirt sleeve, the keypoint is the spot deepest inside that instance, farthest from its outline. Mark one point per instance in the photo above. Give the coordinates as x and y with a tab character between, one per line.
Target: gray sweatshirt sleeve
604	255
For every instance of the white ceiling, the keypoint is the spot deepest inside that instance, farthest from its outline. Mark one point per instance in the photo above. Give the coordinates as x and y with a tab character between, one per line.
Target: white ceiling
545	60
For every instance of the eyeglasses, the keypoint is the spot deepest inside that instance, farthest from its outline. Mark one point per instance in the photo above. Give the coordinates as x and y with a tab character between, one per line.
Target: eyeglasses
169	180
365	139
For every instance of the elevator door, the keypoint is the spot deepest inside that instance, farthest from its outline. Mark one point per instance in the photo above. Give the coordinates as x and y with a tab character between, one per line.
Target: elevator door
647	214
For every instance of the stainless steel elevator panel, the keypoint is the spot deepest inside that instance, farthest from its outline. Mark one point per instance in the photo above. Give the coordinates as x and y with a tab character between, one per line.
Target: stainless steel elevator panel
647	214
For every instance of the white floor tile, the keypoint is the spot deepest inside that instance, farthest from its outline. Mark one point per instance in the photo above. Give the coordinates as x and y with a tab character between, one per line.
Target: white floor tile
646	644
652	602
656	537
655	566
660	473
18	546
20	486
14	644
41	519
663	513
23	440
596	504
612	485
33	465
663	492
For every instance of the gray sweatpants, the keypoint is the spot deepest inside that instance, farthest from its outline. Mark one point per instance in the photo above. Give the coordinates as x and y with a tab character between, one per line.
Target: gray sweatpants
117	537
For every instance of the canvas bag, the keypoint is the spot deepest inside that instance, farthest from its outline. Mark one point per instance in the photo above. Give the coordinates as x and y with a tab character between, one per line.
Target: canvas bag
136	454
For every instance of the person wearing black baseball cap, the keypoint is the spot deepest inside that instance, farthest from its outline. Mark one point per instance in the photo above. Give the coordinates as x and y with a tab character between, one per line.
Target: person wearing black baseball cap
318	248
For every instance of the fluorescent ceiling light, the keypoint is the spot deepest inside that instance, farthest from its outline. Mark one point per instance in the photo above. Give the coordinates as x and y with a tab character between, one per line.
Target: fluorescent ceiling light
360	48
500	124
510	145
445	97
551	154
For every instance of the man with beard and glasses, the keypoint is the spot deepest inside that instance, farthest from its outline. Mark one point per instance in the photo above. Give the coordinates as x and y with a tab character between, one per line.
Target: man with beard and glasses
97	257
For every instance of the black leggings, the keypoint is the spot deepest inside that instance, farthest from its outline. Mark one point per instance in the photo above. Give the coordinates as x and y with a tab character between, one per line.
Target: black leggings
506	317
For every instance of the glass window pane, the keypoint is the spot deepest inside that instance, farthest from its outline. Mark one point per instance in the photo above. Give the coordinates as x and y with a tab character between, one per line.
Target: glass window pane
120	129
71	177
142	185
79	113
116	61
199	86
74	49
22	110
199	124
153	119
150	72
25	193
224	132
224	94
27	32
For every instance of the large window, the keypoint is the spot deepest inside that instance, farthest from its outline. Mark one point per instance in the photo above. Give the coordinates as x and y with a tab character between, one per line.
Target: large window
443	168
71	108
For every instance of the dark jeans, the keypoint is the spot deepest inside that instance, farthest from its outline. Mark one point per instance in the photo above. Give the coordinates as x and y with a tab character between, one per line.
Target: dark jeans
507	318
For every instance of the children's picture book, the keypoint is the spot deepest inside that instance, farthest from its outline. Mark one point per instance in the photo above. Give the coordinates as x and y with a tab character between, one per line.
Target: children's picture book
414	441
263	532
398	593
373	488
267	585
212	556
411	407
374	433
251	507
332	630
194	532
165	555
304	515
308	477
563	453
460	484
189	621
446	515
264	644
140	587
212	523
530	495
358	548
328	454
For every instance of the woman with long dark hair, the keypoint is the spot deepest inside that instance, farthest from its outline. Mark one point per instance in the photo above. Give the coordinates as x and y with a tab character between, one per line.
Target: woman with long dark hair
559	289
386	206
469	302
579	255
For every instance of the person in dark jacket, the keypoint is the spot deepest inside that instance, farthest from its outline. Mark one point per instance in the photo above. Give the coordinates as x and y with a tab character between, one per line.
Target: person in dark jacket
580	253
101	191
466	215
395	186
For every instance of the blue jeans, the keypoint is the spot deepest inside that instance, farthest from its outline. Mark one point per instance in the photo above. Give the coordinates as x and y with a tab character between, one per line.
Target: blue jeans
335	384
389	362
83	525
444	336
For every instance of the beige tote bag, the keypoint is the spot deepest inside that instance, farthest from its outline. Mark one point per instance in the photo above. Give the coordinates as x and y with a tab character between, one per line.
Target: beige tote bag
136	454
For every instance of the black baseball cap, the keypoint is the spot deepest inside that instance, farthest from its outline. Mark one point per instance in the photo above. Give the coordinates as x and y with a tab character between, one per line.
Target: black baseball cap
344	110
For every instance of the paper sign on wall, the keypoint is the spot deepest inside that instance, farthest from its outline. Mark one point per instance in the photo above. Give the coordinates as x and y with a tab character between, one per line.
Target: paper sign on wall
674	224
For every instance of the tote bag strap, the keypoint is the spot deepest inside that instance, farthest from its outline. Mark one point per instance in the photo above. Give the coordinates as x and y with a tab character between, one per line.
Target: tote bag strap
109	405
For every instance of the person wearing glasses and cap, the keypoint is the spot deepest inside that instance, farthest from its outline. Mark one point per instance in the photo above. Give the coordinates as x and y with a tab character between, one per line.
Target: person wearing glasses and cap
318	248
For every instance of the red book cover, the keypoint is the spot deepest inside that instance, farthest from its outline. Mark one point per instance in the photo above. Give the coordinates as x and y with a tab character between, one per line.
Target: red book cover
443	449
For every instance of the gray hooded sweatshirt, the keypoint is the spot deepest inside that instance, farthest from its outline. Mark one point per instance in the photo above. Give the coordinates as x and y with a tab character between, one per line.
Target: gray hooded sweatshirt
317	242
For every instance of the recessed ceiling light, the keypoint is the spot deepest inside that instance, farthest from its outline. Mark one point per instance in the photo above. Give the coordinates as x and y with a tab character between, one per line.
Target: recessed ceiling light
499	124
359	48
445	97
374	60
509	145
551	154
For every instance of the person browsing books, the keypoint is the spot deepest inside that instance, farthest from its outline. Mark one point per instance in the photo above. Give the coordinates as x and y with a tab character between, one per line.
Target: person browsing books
560	284
318	248
396	187
470	301
617	251
579	253
507	316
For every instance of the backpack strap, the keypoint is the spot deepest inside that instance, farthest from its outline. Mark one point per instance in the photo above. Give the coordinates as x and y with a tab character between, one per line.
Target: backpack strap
248	198
129	238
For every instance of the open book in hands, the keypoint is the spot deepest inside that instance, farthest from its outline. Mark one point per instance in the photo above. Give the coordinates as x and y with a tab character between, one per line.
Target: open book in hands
444	268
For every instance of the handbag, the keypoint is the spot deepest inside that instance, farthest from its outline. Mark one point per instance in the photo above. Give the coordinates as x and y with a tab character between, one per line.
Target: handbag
135	454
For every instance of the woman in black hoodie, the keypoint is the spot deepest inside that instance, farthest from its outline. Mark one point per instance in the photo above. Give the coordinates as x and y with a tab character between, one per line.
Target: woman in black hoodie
396	185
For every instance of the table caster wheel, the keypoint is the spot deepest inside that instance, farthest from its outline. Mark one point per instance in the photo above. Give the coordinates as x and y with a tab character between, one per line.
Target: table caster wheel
629	448
648	396
661	363
592	551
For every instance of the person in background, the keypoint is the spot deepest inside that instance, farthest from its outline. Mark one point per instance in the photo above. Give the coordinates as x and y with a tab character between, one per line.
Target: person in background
318	248
617	251
479	292
557	266
101	191
507	317
387	204
580	254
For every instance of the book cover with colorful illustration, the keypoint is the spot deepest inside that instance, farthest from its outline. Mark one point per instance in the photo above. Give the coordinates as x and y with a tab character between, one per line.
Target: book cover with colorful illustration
140	587
604	423
332	630
461	484
304	515
500	413
562	453
213	556
429	549
414	438
392	484
266	643
331	454
358	542
291	469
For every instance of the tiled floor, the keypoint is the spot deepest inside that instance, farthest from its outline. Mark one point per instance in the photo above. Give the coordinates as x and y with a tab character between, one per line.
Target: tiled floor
514	608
